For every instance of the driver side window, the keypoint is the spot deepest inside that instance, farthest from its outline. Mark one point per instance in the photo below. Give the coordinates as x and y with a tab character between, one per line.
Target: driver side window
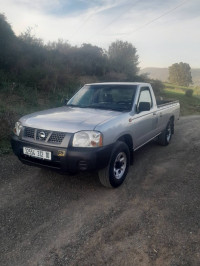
145	96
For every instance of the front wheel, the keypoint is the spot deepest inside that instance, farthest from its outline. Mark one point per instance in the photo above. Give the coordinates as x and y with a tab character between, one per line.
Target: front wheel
115	173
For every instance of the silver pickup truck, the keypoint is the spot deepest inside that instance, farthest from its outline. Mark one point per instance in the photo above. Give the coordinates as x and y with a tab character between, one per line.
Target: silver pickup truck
99	128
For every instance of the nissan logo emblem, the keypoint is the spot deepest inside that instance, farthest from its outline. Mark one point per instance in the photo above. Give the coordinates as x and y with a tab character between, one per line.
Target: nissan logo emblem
42	135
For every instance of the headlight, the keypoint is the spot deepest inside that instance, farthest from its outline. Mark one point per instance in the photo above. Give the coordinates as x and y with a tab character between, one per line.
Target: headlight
87	139
17	128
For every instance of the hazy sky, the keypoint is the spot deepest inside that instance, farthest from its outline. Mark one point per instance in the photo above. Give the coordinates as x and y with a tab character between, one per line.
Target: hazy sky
163	31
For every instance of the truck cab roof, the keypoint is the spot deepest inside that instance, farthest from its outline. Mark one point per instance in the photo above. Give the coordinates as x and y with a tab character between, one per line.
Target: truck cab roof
120	83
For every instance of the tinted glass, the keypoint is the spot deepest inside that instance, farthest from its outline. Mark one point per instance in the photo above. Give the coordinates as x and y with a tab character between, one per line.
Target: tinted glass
115	97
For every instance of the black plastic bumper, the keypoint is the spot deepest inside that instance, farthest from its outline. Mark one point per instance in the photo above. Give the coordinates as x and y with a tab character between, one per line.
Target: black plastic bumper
74	160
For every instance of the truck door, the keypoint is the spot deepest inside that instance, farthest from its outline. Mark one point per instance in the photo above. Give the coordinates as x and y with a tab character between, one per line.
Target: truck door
145	122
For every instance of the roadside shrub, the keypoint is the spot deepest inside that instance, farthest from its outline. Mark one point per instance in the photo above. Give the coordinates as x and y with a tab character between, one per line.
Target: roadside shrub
87	79
189	92
7	121
157	86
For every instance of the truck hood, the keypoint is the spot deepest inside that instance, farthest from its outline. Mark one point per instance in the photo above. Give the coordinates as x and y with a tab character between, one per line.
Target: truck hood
68	119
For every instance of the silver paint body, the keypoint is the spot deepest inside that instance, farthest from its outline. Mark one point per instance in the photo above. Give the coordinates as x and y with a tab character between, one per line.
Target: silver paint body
142	127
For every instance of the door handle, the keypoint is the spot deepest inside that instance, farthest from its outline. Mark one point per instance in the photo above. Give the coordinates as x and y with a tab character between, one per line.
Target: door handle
154	113
160	114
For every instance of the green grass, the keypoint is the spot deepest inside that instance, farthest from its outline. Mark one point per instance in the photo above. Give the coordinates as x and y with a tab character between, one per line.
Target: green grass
188	105
181	89
174	86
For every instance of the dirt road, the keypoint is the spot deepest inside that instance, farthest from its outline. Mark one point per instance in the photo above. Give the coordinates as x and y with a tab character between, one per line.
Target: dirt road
153	219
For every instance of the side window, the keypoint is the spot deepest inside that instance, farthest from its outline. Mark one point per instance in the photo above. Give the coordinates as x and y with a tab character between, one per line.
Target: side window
145	96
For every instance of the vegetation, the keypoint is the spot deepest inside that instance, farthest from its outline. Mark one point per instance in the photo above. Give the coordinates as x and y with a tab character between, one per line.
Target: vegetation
180	74
189	105
189	92
182	89
27	60
123	58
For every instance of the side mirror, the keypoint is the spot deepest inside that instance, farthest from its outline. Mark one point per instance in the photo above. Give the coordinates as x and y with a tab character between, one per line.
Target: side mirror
144	106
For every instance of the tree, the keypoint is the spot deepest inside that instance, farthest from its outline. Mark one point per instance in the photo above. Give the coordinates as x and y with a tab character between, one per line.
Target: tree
88	60
123	58
26	60
180	74
7	45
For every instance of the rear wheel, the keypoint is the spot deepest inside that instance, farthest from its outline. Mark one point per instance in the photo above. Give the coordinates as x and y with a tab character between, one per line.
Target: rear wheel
115	173
165	137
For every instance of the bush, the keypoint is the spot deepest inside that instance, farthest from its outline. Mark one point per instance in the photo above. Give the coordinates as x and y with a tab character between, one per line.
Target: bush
189	92
157	86
7	121
114	77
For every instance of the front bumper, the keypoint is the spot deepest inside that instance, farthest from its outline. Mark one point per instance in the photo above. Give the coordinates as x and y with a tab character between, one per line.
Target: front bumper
74	160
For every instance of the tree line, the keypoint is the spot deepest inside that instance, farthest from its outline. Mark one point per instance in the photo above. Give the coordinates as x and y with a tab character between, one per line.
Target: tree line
27	60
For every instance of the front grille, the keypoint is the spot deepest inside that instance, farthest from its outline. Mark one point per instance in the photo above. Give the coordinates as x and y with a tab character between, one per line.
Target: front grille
56	137
29	132
42	135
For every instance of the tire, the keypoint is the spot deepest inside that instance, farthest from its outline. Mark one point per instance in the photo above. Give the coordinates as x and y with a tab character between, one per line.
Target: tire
165	137
115	173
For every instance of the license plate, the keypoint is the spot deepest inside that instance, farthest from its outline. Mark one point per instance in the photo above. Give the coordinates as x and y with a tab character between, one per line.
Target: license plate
46	155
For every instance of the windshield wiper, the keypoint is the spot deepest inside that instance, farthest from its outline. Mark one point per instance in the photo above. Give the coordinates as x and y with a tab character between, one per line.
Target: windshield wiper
96	107
72	105
104	107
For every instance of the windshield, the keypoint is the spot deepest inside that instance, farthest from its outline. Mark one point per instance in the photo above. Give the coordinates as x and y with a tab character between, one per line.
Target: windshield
108	97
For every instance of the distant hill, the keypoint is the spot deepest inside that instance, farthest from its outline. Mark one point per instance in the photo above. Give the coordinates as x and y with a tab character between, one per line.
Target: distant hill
162	74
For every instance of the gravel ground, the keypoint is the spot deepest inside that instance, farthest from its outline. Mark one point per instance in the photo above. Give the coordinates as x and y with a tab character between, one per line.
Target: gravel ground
152	219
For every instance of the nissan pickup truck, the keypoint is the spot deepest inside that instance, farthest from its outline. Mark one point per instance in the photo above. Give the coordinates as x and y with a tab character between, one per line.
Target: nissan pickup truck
99	128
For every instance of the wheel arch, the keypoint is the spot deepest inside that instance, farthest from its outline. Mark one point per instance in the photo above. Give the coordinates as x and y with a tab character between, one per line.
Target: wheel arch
129	142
